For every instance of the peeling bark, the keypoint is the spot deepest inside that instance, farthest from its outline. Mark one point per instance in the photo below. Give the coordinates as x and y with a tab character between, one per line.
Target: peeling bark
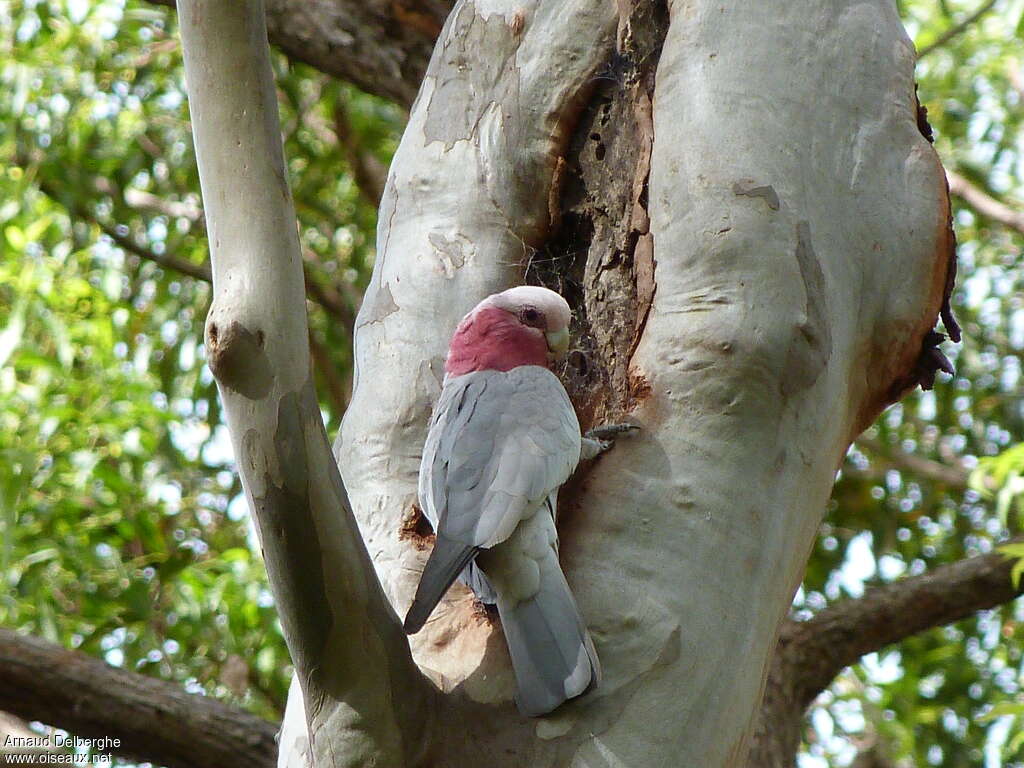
746	301
750	288
466	199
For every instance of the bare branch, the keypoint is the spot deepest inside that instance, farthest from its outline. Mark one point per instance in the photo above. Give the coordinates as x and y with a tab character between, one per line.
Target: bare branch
83	695
956	29
189	268
336	389
984	203
328	298
841	634
811	653
382	48
141	200
370	174
954	477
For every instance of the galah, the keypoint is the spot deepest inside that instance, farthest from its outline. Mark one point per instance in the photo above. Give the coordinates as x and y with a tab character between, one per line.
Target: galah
502	439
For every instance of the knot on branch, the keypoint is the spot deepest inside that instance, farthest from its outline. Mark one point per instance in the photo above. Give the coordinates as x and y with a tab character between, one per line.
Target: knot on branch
237	358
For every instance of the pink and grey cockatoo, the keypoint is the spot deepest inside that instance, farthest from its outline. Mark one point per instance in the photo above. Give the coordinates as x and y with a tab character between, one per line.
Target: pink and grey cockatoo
502	439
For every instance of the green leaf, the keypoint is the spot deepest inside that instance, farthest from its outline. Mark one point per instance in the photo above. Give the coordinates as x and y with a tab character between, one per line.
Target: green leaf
1002	709
16	237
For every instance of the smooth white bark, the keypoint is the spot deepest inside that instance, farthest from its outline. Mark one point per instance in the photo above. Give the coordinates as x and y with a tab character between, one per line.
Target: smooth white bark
350	655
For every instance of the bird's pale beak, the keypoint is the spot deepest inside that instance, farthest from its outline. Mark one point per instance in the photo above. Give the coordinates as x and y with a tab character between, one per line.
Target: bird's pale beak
558	341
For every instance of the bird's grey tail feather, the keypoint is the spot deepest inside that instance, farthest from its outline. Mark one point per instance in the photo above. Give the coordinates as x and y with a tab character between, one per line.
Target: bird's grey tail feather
443	567
552	655
477	580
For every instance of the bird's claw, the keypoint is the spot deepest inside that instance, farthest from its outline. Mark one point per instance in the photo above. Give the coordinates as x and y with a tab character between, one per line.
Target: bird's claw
599	439
608	432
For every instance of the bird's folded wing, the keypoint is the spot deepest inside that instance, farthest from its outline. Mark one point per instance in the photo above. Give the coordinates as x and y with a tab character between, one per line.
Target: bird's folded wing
499	444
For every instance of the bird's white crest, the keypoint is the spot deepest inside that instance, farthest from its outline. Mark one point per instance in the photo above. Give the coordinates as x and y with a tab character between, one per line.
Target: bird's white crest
554	307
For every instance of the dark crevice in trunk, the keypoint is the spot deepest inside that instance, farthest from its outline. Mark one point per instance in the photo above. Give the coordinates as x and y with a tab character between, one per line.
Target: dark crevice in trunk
601	257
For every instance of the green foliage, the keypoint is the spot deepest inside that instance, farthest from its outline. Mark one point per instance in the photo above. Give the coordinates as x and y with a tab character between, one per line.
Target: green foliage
122	528
1003	473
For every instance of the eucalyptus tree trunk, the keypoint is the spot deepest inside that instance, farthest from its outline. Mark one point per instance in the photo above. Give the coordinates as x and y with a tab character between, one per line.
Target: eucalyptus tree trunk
737	200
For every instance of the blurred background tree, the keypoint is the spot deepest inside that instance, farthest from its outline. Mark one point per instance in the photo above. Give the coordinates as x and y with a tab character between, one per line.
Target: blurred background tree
122	529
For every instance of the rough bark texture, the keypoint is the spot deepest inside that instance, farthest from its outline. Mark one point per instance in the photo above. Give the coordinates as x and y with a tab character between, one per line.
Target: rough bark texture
601	258
350	655
777	279
381	46
155	721
763	287
811	653
750	288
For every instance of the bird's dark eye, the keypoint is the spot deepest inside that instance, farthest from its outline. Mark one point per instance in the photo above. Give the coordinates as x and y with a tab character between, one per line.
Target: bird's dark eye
531	316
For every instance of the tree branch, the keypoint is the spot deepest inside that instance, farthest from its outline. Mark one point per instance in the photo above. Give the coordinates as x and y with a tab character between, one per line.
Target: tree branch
382	48
370	174
842	633
155	720
335	387
329	299
954	477
141	200
168	261
956	29
984	203
871	757
811	653
366	697
189	268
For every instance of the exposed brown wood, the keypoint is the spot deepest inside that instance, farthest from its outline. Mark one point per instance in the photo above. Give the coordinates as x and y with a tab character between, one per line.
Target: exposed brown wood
381	47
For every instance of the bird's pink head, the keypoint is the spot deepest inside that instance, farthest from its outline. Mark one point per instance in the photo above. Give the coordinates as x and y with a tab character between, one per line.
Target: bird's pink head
521	326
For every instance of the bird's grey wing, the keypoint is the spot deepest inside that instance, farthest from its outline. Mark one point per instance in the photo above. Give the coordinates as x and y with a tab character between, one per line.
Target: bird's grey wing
449	416
519	442
499	444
